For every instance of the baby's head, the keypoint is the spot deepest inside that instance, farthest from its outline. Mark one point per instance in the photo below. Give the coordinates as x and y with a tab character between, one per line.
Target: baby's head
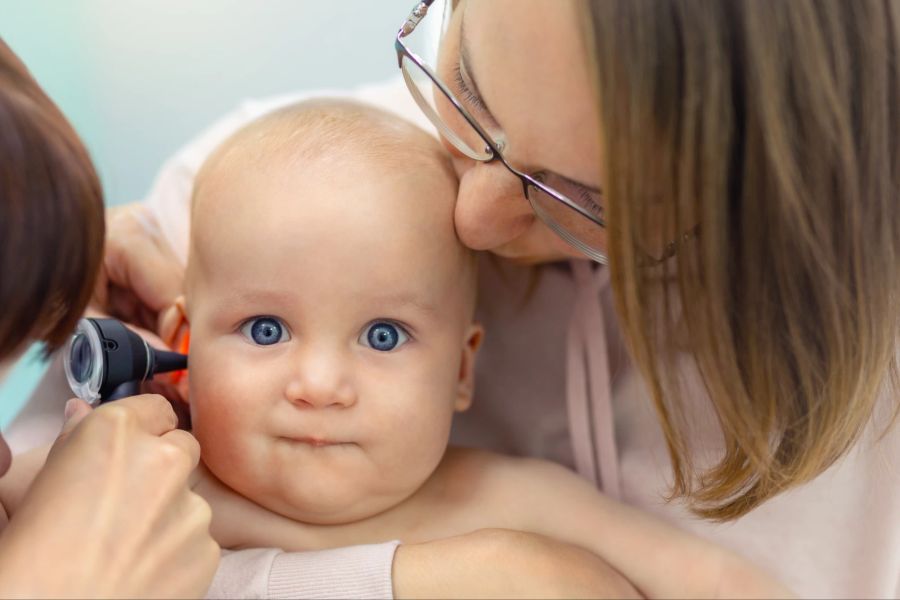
331	311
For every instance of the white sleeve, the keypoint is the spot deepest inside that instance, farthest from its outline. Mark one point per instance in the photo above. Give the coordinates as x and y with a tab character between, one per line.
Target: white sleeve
170	195
352	572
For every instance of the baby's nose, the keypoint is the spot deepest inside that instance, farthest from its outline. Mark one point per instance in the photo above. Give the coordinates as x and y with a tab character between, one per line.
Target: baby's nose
320	384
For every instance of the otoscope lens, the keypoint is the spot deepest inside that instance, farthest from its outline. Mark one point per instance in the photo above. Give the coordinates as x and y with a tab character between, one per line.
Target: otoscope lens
81	358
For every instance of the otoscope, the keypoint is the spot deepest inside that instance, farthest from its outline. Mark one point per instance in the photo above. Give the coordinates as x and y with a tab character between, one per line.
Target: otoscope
105	360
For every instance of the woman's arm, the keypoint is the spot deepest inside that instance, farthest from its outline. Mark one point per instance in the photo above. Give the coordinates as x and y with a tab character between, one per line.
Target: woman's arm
481	564
658	558
501	563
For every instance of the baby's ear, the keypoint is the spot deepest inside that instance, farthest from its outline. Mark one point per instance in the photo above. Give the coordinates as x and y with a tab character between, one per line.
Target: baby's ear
175	330
465	386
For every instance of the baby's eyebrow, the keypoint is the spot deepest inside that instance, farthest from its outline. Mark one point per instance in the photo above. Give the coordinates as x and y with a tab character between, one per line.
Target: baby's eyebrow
406	300
258	296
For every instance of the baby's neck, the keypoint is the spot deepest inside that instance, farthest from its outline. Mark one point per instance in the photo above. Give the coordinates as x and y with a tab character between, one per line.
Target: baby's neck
239	523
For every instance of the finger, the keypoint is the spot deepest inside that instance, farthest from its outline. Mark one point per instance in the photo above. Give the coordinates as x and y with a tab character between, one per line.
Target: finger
140	260
185	442
153	413
157	281
171	393
100	295
148	318
122	303
75	412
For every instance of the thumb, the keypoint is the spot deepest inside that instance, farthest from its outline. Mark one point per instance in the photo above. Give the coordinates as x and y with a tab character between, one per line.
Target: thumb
76	410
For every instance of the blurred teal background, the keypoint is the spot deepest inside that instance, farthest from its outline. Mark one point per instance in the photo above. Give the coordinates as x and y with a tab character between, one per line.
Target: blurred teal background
138	78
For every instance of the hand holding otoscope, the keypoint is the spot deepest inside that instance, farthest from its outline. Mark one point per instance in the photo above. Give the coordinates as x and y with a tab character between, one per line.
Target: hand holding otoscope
104	360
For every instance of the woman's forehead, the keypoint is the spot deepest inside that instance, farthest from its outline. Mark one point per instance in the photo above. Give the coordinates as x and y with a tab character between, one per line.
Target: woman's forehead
530	61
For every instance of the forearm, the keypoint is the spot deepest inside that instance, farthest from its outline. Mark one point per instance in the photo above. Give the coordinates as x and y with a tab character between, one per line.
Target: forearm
664	561
498	563
660	559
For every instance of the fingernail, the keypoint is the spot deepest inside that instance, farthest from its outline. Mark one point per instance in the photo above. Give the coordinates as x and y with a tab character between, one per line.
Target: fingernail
71	407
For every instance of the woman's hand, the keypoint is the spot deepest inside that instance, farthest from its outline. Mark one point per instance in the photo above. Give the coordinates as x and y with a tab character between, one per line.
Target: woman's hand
499	563
110	514
140	274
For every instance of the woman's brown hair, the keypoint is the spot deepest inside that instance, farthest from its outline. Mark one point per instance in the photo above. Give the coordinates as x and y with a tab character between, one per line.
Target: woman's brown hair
51	215
775	126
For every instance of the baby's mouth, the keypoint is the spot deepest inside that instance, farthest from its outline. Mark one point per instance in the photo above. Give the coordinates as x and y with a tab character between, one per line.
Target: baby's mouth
316	442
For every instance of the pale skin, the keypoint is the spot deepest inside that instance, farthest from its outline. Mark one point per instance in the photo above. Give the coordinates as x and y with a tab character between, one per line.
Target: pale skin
389	477
319	440
529	64
112	464
301	424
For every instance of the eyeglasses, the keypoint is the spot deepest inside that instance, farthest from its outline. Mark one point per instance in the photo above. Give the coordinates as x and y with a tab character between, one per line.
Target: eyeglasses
571	210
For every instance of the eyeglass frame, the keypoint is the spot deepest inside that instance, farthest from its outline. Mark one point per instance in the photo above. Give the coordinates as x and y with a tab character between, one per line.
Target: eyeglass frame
493	148
496	153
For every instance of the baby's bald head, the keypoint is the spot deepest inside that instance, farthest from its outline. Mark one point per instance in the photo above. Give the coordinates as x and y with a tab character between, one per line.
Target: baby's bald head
327	131
328	297
332	166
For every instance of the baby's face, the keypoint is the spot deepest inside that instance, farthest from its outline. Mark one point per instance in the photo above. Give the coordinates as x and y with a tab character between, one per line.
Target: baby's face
329	315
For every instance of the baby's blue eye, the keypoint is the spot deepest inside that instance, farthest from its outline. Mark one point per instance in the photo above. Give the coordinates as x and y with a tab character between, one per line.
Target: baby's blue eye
383	336
265	331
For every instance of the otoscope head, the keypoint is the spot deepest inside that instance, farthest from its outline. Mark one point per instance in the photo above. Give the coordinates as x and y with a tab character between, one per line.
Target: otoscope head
103	354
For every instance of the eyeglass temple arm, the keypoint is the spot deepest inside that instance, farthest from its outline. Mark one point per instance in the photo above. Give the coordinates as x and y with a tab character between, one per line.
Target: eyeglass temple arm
418	13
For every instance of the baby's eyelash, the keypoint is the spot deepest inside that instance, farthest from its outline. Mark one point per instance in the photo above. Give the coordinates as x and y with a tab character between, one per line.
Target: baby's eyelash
401	326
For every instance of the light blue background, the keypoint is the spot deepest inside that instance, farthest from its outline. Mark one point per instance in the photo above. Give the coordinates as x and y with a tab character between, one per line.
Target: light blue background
138	78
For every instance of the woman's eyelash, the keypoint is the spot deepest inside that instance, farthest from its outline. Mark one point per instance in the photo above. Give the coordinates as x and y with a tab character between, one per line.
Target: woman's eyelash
467	92
590	204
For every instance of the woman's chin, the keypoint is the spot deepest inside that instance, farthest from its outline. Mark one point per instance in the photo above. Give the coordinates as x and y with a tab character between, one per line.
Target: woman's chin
527	253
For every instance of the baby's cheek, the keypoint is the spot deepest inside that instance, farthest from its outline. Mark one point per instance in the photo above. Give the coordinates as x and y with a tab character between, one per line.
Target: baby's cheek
415	454
217	409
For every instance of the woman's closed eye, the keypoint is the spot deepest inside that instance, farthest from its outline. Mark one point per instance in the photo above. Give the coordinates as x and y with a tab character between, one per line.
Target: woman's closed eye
465	91
383	336
588	198
265	331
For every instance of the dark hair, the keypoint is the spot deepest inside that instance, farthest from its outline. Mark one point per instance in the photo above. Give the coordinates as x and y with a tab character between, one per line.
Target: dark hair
775	126
51	215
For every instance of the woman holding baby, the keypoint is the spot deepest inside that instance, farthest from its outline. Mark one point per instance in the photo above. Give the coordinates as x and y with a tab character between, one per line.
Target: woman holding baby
737	165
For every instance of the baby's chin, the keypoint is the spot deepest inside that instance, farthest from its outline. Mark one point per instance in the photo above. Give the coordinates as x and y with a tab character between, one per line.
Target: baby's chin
330	505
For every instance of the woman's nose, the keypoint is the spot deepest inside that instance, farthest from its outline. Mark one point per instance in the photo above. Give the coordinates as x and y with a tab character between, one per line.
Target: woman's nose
491	207
320	381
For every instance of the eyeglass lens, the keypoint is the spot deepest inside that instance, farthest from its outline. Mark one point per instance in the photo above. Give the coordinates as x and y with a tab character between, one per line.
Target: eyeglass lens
441	112
577	229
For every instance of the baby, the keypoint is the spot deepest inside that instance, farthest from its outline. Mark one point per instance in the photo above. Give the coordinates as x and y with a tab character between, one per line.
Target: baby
330	312
330	307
